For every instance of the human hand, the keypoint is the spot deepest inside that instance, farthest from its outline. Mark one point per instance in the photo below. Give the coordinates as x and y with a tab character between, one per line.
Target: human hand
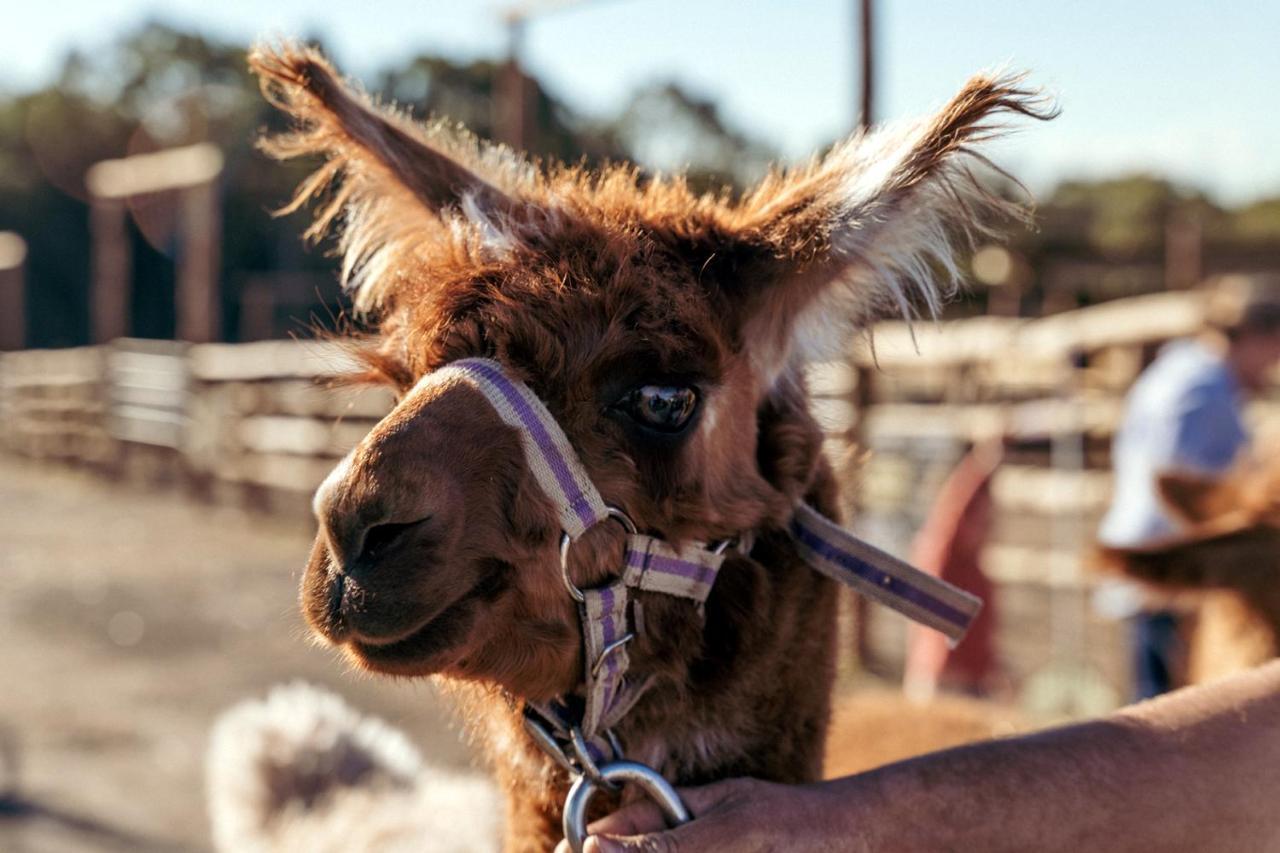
739	815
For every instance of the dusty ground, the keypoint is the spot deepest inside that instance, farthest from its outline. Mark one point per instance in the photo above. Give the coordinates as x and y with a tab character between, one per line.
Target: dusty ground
128	620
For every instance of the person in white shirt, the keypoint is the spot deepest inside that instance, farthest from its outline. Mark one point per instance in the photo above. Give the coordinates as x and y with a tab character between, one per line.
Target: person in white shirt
1185	415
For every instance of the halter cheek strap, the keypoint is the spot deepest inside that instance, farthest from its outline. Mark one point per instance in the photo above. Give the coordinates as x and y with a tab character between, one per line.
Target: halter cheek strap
654	565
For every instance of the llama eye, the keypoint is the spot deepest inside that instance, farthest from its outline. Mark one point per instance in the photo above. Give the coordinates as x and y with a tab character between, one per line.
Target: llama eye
664	408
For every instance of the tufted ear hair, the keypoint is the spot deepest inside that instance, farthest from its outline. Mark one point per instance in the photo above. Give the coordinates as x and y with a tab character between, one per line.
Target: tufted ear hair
386	176
875	227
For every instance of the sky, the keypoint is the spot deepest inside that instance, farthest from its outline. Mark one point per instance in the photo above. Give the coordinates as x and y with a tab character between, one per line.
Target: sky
1189	89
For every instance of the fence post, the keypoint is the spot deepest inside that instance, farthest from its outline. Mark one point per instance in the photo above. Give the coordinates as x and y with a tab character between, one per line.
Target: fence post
111	273
13	310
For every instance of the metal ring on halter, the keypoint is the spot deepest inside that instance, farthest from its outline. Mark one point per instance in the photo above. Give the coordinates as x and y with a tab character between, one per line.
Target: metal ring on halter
614	513
646	778
608	650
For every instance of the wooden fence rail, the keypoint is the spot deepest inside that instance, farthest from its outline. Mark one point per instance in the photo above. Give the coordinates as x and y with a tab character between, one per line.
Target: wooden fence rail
256	423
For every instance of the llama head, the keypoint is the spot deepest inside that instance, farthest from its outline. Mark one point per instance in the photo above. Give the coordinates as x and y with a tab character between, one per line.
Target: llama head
663	330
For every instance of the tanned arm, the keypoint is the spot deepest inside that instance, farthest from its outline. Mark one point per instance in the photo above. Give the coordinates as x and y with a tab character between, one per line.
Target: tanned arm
1195	770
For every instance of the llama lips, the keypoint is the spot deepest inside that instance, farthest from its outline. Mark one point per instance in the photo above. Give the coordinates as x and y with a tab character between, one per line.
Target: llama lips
428	649
429	646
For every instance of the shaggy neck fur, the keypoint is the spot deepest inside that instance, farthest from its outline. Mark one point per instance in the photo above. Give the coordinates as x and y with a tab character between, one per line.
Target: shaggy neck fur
755	701
752	700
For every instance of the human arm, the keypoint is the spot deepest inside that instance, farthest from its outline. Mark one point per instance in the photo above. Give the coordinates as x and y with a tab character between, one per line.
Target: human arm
1194	770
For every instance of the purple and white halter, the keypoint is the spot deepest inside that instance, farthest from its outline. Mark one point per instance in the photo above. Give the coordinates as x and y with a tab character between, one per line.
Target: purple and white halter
577	731
689	572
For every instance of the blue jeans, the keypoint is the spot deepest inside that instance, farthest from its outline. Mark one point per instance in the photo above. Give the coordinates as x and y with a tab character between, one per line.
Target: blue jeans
1155	646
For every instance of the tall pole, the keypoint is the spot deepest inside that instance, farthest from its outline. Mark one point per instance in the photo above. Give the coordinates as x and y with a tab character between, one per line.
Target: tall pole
514	108
198	299
866	111
511	101
13	309
857	608
112	276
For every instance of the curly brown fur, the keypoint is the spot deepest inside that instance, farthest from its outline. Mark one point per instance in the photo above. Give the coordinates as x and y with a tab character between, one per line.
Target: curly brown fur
437	552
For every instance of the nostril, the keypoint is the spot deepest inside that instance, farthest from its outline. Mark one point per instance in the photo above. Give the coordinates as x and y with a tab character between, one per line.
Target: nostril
379	538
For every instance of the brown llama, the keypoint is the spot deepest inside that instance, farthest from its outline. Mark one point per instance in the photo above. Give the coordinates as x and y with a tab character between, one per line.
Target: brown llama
1227	560
666	333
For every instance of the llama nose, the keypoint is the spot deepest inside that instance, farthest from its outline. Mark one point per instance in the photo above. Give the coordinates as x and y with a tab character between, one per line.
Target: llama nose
361	533
356	530
358	541
377	541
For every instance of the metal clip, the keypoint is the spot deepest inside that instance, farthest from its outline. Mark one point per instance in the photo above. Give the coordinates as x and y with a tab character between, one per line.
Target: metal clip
548	744
618	772
586	764
614	513
608	650
723	545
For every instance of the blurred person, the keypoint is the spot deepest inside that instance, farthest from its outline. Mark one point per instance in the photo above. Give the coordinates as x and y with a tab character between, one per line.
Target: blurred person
949	545
1183	415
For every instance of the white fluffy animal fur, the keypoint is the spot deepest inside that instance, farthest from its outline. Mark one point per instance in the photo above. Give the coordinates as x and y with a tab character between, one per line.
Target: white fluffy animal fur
302	771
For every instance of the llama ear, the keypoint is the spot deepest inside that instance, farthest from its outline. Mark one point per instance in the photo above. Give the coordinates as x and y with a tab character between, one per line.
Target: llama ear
386	173
875	227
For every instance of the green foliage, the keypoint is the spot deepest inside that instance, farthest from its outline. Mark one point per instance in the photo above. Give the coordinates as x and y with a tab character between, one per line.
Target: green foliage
1257	222
1115	216
159	86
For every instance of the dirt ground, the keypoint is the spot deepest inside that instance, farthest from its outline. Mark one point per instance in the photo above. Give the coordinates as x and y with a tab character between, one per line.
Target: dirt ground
129	619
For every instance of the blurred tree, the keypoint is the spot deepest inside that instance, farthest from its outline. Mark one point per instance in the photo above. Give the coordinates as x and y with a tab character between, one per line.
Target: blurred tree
1123	215
1256	222
154	88
666	128
432	87
160	86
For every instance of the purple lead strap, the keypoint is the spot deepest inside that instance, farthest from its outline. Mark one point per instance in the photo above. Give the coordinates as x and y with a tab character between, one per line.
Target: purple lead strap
841	556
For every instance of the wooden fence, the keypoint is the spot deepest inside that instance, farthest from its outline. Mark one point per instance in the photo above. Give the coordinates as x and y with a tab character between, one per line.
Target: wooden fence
254	423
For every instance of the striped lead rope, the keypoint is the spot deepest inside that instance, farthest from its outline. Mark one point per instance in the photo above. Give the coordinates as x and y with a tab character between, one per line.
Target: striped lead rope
841	556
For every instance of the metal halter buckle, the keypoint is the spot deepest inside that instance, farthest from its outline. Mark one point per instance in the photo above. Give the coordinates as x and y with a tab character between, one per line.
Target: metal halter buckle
586	764
575	757
547	743
723	545
614	513
609	650
645	778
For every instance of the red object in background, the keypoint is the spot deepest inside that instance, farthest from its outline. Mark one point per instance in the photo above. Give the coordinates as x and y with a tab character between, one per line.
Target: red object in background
949	546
